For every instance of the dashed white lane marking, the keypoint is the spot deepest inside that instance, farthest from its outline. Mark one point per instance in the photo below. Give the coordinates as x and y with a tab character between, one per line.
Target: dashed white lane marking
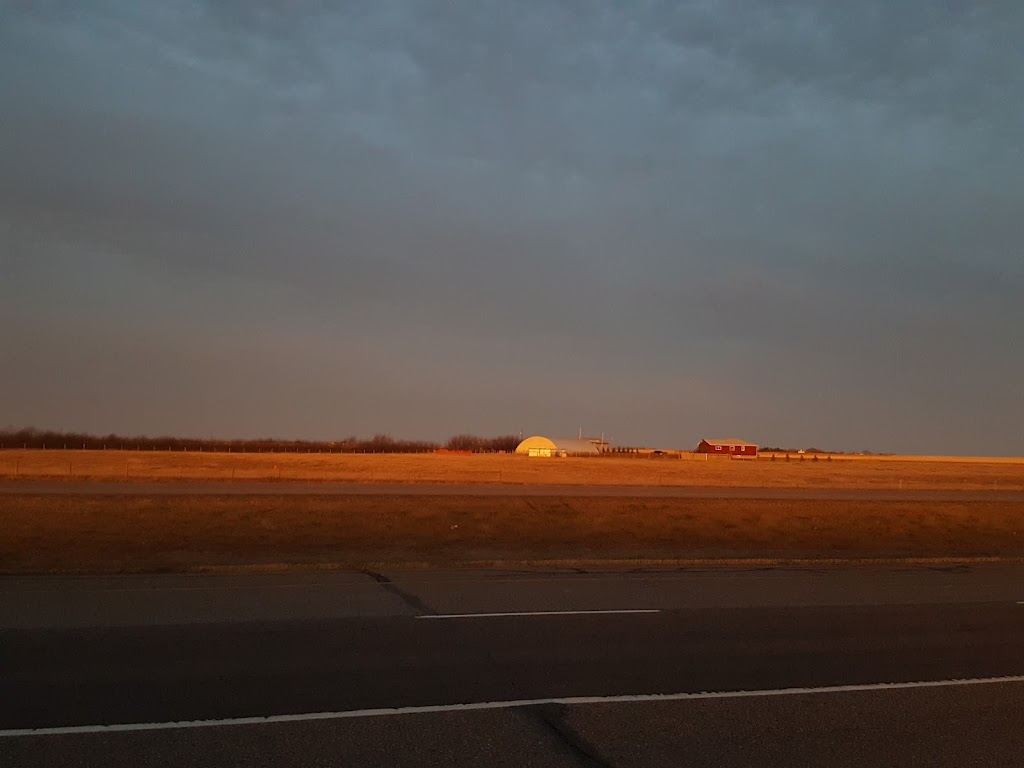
531	613
571	700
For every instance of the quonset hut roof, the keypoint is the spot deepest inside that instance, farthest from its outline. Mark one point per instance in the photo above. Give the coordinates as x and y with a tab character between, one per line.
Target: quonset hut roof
572	445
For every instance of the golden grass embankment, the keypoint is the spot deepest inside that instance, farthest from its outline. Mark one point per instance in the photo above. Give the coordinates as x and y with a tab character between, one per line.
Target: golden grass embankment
908	472
110	534
140	533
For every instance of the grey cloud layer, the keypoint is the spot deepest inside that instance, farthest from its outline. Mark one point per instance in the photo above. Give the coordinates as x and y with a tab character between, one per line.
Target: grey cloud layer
645	205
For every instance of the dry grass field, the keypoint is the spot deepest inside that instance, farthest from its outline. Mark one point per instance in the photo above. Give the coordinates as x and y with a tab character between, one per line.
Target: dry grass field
907	472
98	534
139	533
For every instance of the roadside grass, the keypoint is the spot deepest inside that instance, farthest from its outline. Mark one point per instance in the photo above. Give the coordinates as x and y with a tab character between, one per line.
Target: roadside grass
907	472
118	534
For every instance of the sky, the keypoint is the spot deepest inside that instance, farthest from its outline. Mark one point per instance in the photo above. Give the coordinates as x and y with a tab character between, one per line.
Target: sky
797	223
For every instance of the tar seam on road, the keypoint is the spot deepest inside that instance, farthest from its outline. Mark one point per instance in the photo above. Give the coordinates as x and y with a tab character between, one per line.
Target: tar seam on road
406	597
533	613
513	704
552	717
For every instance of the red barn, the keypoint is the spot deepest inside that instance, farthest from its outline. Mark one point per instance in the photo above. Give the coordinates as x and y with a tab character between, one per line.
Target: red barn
731	447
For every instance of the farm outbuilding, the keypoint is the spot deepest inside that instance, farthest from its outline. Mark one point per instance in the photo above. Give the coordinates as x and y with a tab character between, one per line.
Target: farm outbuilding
559	446
729	447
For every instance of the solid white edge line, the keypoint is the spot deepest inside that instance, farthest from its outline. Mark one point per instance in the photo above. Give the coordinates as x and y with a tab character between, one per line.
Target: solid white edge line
531	613
571	700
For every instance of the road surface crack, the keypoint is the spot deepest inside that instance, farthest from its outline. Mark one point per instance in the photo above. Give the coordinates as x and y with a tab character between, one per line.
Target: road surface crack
552	717
408	598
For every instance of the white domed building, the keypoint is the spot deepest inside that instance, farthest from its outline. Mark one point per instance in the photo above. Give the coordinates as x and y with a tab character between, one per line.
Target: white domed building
538	446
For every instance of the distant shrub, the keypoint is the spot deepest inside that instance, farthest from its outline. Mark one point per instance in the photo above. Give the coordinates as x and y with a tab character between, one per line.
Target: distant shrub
476	444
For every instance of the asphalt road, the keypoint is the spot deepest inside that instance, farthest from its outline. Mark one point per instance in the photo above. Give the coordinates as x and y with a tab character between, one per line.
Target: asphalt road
290	488
155	650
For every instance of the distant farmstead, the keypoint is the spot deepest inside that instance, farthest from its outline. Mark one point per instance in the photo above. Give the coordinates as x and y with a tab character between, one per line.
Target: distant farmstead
538	446
730	447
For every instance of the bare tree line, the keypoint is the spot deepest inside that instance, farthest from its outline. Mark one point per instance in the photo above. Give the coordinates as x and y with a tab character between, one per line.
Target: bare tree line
42	439
476	444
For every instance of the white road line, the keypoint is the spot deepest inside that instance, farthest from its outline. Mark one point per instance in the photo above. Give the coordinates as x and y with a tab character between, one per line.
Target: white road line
531	613
571	700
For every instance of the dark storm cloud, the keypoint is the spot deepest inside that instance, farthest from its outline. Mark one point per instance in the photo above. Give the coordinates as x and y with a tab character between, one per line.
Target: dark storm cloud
794	221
